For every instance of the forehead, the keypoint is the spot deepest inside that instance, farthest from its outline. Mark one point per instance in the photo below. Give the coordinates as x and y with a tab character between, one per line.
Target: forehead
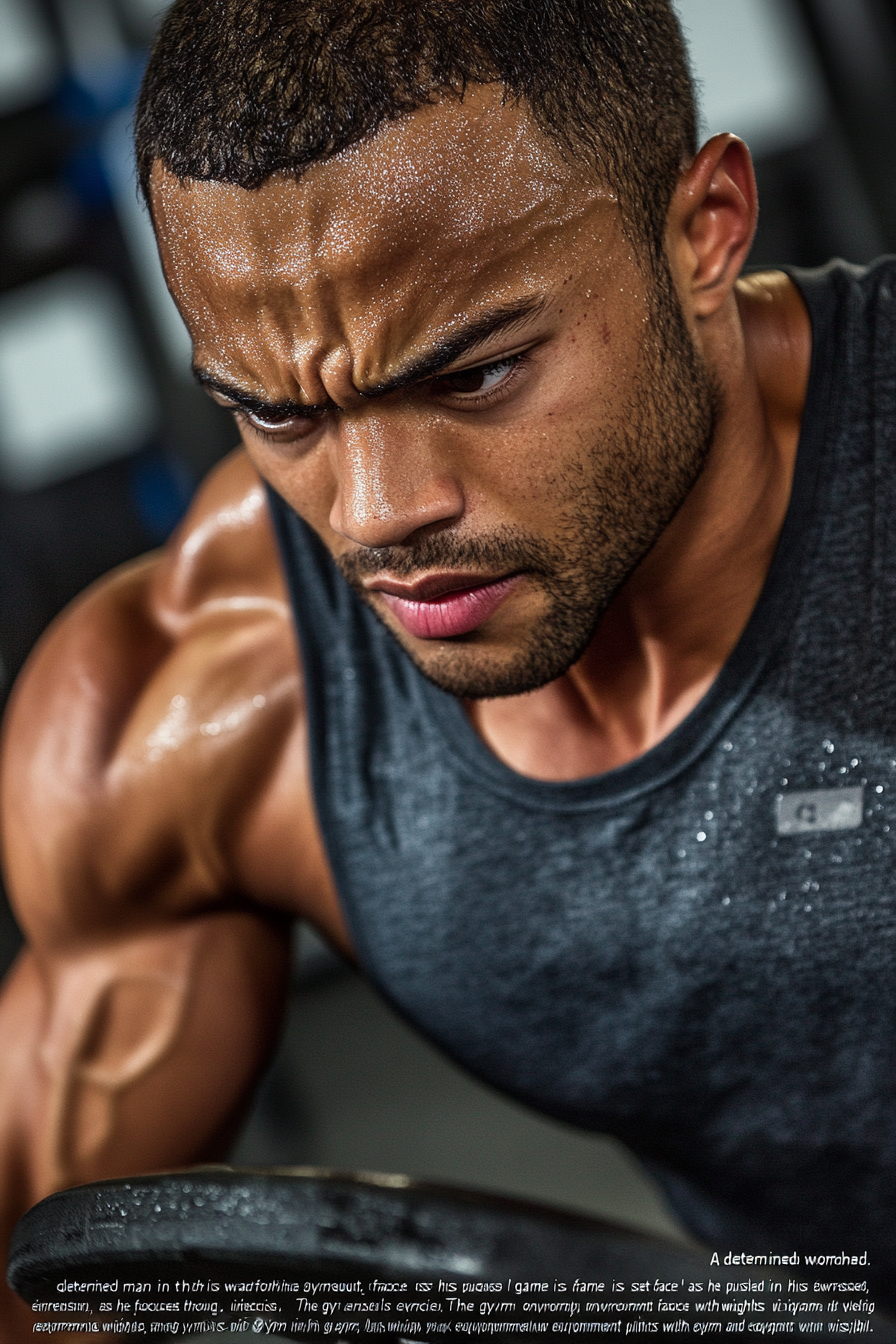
458	204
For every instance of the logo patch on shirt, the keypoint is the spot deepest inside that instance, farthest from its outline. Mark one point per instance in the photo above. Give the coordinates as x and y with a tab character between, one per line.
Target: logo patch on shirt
820	810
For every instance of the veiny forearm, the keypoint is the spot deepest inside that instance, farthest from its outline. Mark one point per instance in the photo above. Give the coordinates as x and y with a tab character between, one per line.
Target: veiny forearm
21	1010
136	1055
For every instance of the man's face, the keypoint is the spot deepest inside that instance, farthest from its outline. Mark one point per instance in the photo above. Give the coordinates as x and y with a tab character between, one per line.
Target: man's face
448	359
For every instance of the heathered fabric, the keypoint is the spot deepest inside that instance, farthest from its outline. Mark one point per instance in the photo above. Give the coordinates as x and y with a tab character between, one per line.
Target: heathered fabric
681	952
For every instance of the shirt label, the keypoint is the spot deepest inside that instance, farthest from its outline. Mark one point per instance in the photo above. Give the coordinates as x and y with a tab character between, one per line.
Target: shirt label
820	810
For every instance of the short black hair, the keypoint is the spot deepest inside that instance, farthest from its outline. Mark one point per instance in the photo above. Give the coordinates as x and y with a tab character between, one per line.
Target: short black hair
238	90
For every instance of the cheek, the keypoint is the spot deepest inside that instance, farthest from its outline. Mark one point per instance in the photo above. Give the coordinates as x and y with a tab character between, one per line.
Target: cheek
532	471
598	394
514	476
601	356
306	482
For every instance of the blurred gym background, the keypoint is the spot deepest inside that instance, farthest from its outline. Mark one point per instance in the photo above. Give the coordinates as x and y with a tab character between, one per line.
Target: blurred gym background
104	437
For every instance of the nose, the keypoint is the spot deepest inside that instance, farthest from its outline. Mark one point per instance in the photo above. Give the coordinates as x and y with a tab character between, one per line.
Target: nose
391	480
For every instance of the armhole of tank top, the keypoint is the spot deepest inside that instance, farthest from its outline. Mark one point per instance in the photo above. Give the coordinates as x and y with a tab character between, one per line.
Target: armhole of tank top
302	558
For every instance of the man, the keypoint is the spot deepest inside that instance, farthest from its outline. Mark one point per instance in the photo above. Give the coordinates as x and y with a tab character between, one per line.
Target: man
587	754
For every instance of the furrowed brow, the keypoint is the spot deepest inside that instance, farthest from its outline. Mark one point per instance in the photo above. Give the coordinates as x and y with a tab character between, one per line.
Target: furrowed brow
272	411
465	341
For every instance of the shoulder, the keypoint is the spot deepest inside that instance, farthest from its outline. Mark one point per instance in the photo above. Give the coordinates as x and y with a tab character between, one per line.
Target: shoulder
219	576
778	335
151	723
778	331
223	552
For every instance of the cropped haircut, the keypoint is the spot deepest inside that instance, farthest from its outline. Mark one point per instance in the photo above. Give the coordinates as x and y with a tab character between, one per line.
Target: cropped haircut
238	90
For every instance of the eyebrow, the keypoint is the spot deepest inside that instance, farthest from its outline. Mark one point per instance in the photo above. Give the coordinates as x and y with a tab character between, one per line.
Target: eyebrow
463	341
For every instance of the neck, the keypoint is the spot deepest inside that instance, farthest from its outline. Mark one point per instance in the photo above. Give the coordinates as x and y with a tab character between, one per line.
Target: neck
669	631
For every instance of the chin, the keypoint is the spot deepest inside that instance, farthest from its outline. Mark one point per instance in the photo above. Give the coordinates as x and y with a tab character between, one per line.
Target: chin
469	672
510	655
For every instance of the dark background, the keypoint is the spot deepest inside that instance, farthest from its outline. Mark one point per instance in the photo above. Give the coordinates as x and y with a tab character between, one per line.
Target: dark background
101	451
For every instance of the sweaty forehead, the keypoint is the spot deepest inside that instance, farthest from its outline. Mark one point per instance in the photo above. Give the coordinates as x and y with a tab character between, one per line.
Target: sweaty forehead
455	201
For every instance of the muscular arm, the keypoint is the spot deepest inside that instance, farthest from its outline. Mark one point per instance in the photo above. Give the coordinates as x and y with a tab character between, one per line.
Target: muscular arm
158	832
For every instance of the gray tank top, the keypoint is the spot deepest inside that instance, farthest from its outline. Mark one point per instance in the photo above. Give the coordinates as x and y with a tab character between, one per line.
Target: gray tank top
695	952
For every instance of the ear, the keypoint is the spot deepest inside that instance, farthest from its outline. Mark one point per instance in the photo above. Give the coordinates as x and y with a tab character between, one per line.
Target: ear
711	223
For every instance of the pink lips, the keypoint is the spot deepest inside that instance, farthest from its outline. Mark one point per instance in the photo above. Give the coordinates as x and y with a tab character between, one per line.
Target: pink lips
449	613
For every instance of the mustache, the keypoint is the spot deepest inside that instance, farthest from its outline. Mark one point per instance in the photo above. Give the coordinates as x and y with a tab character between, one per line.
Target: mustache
500	552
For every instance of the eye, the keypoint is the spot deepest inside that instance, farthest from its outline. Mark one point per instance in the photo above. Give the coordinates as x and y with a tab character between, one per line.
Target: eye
477	382
278	431
267	426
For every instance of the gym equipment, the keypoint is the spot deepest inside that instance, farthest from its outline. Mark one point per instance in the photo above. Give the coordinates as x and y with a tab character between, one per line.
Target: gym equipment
266	1250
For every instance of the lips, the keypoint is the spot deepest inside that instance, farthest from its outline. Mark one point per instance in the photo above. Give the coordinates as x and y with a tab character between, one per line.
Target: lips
443	615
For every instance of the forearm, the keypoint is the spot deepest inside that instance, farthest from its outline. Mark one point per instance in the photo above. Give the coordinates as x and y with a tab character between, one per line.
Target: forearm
21	1008
135	1056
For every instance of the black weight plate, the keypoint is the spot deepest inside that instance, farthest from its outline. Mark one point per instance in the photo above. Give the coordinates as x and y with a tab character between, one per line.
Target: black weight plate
238	1233
319	1223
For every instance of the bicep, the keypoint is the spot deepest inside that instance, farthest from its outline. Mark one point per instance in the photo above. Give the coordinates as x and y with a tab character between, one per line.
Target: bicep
65	717
132	758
